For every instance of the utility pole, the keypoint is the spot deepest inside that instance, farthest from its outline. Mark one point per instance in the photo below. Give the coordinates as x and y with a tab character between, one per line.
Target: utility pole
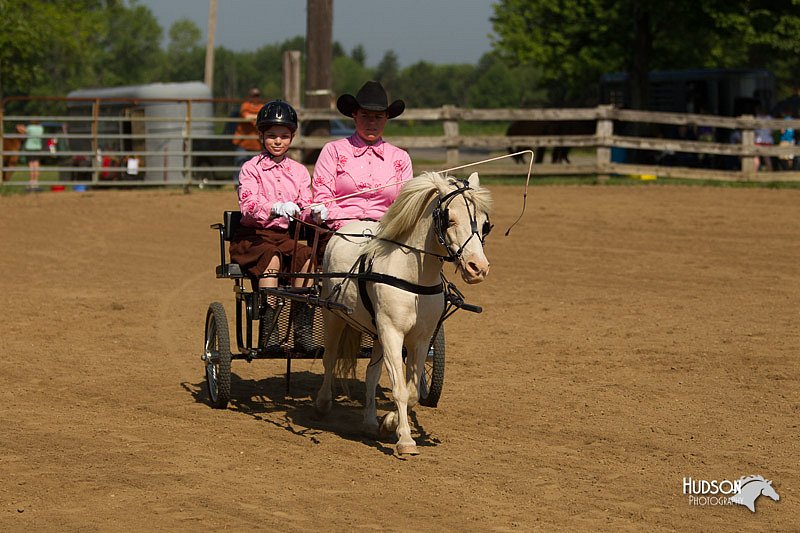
319	54
212	29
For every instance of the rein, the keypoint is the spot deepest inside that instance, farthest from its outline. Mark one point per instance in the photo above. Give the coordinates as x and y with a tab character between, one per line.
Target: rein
440	224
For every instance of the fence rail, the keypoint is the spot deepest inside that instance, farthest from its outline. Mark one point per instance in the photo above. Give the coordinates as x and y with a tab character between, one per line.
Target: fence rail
92	142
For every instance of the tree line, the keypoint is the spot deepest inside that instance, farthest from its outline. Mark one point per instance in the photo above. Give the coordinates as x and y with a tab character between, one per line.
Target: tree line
50	47
544	53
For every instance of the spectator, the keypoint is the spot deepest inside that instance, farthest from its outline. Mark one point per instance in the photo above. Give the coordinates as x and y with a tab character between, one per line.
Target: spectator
786	162
246	135
33	144
763	137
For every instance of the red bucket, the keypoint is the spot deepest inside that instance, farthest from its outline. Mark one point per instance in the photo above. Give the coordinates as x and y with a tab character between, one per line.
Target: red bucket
57	188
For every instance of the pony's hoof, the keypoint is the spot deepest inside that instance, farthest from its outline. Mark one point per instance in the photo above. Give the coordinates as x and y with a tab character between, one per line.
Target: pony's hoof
388	423
407	449
323	408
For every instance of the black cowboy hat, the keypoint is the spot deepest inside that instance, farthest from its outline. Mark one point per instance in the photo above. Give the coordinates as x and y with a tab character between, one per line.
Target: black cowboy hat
372	97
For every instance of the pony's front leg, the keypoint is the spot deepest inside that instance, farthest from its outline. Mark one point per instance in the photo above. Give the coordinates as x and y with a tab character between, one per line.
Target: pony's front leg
373	376
393	359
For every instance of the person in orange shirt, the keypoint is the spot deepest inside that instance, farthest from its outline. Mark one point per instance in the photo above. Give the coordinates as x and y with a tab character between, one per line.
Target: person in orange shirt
246	136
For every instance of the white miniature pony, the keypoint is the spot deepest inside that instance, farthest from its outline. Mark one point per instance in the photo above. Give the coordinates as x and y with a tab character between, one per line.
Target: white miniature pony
391	278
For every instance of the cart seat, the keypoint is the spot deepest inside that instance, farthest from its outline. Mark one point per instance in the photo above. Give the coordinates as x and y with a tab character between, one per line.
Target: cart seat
230	222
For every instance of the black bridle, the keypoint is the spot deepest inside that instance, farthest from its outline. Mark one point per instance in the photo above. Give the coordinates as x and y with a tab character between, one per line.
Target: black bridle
441	220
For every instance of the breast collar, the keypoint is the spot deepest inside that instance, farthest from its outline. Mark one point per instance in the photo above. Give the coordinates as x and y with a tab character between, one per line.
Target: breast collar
366	274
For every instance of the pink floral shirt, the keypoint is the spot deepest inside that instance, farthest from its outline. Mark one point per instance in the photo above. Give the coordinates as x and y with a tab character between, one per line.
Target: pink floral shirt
262	182
349	166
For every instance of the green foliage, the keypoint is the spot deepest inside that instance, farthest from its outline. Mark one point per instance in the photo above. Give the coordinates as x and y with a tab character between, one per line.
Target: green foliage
348	75
93	43
545	52
19	53
359	55
131	45
388	70
51	47
185	57
575	41
426	85
495	84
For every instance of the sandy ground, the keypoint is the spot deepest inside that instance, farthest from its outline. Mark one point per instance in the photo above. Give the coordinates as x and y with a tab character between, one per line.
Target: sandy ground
632	336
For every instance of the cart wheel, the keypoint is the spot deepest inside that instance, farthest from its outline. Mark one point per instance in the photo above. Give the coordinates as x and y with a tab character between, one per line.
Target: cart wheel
217	356
430	386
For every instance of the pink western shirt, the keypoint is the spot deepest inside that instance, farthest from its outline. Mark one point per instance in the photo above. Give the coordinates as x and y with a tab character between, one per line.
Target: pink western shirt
349	166
262	183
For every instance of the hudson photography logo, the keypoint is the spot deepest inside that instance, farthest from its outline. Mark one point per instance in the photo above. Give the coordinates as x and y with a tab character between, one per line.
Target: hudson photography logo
743	491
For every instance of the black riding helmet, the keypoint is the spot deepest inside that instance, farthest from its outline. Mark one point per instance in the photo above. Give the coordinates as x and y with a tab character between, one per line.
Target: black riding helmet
276	113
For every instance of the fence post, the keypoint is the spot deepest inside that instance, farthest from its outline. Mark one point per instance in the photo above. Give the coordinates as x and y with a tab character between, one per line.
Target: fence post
2	140
451	134
604	132
187	144
748	143
96	161
291	77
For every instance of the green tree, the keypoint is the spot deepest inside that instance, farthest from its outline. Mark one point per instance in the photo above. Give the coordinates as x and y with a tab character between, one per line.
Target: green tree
19	50
575	41
359	54
185	58
50	47
348	75
494	84
388	70
426	85
131	45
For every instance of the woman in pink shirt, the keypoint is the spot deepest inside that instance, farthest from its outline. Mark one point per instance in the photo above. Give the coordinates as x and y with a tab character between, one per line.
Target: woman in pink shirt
272	189
361	165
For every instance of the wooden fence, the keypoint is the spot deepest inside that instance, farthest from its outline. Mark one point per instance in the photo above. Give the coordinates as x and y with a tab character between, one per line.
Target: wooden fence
184	148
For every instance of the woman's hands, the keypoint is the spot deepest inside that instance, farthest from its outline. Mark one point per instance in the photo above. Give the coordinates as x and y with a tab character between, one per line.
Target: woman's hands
319	213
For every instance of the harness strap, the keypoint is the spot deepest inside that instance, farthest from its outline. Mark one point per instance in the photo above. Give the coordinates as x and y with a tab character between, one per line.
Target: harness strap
366	274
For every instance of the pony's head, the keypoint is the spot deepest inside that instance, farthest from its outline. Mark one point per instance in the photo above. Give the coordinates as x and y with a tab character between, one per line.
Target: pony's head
461	223
459	220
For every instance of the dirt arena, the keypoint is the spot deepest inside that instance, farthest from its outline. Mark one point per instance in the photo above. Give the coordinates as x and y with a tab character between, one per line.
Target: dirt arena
631	337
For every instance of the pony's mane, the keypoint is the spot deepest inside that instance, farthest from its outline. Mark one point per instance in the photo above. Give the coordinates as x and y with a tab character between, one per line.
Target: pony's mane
409	207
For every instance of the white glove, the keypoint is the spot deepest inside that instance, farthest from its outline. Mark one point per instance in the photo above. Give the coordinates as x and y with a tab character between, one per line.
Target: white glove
288	209
277	209
319	213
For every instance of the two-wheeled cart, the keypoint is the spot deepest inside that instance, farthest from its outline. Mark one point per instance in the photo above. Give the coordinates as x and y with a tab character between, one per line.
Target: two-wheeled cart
250	309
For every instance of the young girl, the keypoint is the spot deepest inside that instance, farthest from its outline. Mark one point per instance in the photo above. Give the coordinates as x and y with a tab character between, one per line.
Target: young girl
273	188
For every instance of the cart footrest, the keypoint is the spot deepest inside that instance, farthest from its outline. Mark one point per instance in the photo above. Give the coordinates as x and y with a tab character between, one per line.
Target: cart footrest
229	270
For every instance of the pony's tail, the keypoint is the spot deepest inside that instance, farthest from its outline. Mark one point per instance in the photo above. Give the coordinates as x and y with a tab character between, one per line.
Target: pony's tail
349	346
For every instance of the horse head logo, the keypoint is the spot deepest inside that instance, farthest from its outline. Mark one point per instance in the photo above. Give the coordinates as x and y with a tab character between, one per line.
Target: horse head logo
751	488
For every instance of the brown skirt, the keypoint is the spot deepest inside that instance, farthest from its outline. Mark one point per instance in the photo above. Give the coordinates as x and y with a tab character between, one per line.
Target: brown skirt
253	248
